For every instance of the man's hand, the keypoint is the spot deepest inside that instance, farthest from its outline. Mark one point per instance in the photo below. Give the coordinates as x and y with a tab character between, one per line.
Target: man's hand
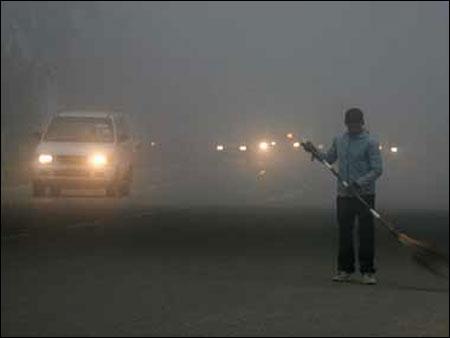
309	147
354	187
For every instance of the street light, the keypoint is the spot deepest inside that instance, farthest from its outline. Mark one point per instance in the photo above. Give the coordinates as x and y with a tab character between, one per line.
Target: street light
296	144
394	149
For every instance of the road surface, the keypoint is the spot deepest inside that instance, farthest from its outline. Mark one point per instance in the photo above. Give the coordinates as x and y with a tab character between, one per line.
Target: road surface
92	266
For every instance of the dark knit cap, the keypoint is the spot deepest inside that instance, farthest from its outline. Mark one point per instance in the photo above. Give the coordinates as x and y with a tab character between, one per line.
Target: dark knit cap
354	115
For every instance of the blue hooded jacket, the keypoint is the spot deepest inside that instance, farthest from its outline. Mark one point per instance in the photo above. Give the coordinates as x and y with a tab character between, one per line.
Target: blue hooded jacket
359	160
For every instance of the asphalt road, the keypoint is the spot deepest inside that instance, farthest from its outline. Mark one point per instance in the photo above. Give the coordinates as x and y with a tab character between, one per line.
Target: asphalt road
92	266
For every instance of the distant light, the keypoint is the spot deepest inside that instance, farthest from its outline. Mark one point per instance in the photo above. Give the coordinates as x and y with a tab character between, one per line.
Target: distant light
290	135
243	148
380	147
264	146
220	147
152	144
394	149
320	146
273	143
296	144
260	174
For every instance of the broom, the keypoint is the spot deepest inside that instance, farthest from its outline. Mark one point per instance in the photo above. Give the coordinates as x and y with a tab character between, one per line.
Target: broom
423	253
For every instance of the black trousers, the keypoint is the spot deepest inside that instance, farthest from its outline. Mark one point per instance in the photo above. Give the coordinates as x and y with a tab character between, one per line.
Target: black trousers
349	209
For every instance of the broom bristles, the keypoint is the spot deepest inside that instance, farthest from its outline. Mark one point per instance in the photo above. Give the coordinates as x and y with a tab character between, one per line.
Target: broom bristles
432	261
427	255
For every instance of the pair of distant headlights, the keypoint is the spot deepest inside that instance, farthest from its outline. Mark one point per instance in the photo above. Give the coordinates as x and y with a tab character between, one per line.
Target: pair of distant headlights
96	160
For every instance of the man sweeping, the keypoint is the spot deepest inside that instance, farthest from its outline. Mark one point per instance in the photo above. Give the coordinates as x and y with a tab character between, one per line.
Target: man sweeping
359	162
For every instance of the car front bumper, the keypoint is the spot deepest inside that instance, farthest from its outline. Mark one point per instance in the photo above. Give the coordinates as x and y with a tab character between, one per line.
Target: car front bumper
74	177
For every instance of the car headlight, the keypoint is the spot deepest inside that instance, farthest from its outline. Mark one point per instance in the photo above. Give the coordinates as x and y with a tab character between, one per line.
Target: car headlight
45	159
263	146
98	160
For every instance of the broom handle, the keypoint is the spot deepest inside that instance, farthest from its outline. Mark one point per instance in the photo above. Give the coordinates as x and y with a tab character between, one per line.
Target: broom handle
358	196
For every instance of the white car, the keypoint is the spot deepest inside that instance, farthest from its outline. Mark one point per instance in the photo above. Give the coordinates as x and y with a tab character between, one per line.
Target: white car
84	150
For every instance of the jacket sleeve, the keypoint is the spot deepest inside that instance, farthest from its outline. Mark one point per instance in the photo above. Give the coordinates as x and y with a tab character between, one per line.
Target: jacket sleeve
375	163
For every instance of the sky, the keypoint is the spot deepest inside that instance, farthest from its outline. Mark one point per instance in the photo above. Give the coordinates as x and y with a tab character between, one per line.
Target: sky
198	72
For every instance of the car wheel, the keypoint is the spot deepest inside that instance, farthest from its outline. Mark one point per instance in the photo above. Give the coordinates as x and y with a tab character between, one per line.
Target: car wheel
38	189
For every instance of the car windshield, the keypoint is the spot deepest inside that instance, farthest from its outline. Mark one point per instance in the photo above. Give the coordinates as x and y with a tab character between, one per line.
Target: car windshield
80	129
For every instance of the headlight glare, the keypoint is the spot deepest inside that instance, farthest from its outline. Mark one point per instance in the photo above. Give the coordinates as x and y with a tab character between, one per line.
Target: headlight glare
45	159
98	160
263	146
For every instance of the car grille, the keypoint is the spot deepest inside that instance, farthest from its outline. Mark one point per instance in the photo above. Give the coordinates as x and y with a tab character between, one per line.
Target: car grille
70	173
71	159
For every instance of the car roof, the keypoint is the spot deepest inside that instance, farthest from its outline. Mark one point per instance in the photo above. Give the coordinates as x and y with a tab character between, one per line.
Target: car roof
98	114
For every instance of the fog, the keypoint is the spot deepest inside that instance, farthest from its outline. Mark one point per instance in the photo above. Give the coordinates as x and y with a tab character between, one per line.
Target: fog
190	75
